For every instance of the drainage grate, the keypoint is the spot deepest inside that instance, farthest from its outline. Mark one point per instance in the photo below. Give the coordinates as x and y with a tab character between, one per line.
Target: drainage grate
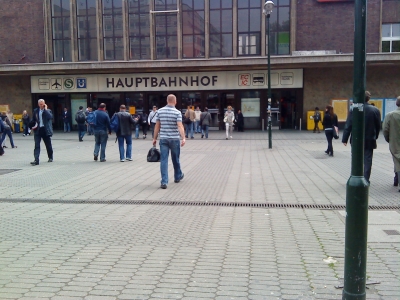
197	203
7	171
392	232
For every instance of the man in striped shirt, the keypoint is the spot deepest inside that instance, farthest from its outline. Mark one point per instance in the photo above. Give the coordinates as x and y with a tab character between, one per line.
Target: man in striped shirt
169	125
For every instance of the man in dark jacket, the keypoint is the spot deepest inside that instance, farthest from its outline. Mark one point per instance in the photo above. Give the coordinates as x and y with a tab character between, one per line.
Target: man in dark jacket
101	127
125	133
44	130
372	128
80	118
205	121
67	118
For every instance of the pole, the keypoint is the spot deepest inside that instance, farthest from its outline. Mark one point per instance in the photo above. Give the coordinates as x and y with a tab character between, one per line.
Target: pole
269	89
355	263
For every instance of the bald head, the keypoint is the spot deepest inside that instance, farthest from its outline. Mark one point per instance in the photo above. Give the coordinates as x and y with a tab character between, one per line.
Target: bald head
171	99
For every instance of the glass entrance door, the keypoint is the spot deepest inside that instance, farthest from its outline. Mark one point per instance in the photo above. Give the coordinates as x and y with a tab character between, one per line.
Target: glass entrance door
158	100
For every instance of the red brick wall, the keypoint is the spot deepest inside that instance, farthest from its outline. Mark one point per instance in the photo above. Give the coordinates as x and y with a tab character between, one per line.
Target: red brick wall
330	26
391	11
21	31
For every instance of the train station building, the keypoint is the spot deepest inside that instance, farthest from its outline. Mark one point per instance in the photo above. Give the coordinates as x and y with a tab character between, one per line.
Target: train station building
209	53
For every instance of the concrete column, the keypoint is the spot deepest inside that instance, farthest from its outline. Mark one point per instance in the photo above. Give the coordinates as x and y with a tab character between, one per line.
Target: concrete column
235	28
293	22
100	39
207	29
179	28
74	32
152	32
47	31
125	24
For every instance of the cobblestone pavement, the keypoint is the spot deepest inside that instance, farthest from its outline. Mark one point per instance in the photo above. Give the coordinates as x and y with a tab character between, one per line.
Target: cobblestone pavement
129	251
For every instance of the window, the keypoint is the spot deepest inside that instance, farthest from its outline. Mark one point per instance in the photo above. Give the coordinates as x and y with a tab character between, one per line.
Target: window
166	30
391	37
221	28
113	30
61	27
139	29
193	28
87	29
279	28
249	27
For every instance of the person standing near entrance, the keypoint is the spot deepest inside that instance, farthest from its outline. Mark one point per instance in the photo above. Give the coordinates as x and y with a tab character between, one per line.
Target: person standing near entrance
152	120
80	118
125	133
7	131
205	121
145	126
66	119
372	128
169	125
317	119
240	121
101	129
190	114
197	127
391	132
43	129
25	122
229	120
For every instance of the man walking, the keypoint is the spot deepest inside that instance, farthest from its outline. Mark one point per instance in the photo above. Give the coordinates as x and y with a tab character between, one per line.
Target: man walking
43	130
152	120
169	125
101	126
372	128
66	118
205	120
317	119
190	114
391	132
125	133
80	118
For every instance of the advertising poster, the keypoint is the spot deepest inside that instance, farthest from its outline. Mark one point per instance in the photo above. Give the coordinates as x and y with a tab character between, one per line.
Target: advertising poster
340	108
251	107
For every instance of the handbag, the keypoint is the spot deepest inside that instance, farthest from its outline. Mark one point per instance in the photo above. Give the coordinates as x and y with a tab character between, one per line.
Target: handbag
153	155
226	119
335	132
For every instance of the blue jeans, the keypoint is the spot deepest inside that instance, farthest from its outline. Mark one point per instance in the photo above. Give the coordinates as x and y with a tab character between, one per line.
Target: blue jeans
128	139
7	132
81	131
205	130
90	129
100	137
165	146
197	127
137	127
67	127
189	127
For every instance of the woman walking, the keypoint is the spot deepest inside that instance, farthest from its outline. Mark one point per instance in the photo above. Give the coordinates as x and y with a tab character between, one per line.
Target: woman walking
25	122
330	122
7	130
229	119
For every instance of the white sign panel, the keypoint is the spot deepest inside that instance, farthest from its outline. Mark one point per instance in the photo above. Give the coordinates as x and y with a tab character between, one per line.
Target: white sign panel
251	107
390	105
188	81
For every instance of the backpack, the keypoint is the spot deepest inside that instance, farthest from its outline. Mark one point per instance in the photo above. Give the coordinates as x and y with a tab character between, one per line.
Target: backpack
153	155
91	118
114	124
80	117
317	116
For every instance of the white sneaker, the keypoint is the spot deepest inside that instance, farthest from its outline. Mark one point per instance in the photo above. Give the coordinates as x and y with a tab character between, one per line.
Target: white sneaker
122	160
130	159
23	135
231	137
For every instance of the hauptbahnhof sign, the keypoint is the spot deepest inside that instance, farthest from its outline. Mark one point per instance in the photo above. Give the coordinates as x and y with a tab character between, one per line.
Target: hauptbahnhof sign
189	81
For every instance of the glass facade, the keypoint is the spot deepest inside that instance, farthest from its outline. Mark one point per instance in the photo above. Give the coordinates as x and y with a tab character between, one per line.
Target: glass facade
166	30
87	29
113	30
193	28
249	27
139	29
280	28
61	30
221	28
391	37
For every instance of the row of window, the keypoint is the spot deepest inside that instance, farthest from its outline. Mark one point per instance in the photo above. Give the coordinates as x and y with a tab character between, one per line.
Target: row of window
193	24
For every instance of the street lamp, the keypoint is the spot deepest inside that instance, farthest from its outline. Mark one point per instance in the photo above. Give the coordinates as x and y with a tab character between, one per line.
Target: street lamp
268	7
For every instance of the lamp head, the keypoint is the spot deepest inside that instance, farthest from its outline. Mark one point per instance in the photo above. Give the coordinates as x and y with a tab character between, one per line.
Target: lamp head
268	7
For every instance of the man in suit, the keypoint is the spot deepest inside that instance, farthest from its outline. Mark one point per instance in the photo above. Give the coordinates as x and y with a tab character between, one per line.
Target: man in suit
43	130
372	128
67	118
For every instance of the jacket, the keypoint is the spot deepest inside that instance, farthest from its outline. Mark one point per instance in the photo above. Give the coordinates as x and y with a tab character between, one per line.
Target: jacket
205	118
66	116
25	119
230	117
197	114
102	121
328	122
7	121
1	126
190	114
76	117
372	126
391	132
47	117
125	122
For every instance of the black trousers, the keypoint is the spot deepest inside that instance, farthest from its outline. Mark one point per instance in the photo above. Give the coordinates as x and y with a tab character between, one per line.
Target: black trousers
47	142
145	126
329	138
368	155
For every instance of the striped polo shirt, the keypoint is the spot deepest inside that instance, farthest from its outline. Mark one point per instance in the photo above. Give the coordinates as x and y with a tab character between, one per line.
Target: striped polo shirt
168	116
